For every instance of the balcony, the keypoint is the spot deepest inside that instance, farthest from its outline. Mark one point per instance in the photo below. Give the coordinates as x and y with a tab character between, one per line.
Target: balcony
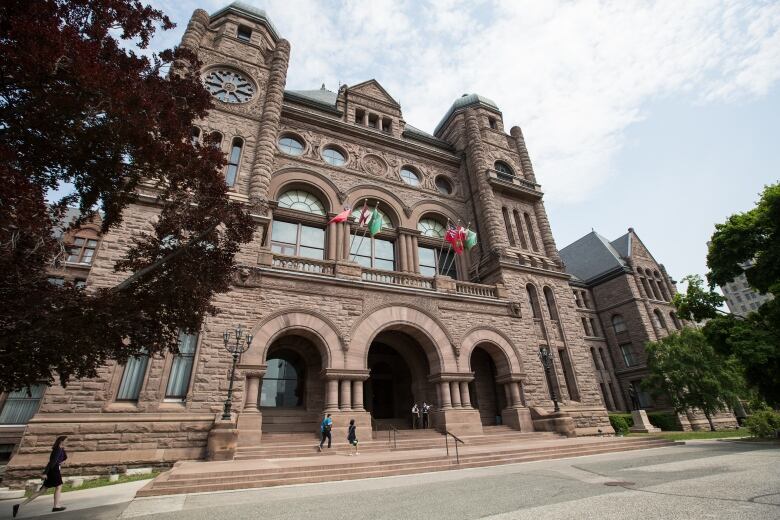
513	184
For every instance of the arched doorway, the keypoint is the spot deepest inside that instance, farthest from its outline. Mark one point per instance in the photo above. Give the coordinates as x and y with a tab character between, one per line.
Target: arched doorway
485	392
399	371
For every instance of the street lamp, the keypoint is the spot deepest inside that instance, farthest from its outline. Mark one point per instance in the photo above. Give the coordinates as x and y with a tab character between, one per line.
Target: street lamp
242	342
545	356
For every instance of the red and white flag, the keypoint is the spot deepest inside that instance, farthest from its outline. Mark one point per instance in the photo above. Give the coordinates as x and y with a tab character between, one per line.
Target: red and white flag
341	217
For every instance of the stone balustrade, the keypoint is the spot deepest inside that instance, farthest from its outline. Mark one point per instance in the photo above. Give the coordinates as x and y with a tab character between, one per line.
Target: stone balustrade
476	289
397	278
306	265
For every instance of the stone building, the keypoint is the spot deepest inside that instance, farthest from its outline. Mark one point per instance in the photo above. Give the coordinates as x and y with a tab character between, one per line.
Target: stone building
356	326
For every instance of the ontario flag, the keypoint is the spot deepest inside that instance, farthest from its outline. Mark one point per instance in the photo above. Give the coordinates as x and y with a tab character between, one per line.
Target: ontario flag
341	217
455	236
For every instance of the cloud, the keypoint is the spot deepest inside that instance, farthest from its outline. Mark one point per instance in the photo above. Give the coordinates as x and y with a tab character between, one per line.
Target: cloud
573	75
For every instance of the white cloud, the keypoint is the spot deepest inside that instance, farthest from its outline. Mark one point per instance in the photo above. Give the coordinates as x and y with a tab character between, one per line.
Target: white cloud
573	75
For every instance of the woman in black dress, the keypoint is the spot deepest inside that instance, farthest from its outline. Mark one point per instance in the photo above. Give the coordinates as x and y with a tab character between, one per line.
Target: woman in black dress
52	476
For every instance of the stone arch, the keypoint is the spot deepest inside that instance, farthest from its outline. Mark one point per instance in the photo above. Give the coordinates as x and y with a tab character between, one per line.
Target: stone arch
310	180
428	206
415	322
306	323
497	345
391	204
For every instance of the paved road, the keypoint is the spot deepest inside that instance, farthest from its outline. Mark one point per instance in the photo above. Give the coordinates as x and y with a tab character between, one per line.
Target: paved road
723	480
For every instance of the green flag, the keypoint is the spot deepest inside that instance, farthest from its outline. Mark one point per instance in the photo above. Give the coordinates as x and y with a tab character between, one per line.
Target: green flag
471	239
375	224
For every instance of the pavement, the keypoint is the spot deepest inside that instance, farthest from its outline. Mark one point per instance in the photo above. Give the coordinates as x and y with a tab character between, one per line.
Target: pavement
703	479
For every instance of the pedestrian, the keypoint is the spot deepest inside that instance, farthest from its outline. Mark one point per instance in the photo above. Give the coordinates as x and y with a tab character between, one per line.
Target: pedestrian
52	478
352	437
325	427
426	409
415	416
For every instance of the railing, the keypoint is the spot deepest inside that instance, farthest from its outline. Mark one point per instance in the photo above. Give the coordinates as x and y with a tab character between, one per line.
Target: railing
392	432
305	265
476	289
447	436
396	278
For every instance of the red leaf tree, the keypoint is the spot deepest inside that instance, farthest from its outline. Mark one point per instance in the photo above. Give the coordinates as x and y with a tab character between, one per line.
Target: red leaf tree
78	108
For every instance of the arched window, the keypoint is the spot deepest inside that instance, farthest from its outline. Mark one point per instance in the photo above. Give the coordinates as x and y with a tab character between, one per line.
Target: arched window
233	161
435	258
283	382
659	319
533	300
386	222
333	156
549	297
503	169
181	367
194	135
662	286
520	232
410	176
618	323
132	378
296	238
585	326
443	185
215	140
290	145
82	251
531	234
676	321
603	359
508	226
595	360
377	252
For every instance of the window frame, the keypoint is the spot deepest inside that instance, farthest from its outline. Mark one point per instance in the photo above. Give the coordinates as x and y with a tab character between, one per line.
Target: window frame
82	248
192	355
22	397
448	259
414	173
627	352
141	383
234	165
372	241
298	235
281	147
329	160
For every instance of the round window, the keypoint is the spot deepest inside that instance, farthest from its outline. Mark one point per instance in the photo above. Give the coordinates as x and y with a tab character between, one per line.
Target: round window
229	86
410	177
443	185
333	157
290	146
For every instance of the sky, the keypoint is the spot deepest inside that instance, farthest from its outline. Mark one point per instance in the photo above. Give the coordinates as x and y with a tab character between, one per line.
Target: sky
661	116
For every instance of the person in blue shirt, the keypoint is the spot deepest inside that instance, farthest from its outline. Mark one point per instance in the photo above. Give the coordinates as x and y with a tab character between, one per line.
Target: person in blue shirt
325	427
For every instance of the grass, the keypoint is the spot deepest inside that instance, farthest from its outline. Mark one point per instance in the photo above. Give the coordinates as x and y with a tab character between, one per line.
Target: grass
100	482
687	436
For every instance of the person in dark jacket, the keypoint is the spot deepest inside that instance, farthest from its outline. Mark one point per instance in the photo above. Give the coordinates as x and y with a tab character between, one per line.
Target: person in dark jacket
52	478
352	437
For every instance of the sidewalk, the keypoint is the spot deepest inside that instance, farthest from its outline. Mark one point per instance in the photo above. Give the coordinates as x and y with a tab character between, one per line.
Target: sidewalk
78	502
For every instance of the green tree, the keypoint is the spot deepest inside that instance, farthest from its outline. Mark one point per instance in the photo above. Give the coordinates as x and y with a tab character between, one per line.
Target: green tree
686	369
746	243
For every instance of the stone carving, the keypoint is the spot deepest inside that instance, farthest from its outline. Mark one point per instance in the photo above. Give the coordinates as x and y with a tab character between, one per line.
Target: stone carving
374	165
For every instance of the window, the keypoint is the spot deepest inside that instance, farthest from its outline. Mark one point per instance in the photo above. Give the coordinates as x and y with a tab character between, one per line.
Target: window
508	227
443	185
431	228
215	139
54	280
82	251
373	121
533	300
80	283
360	115
503	169
434	260
595	360
659	320
603	359
585	326
618	323
676	322
593	327
333	157
520	233
293	239
291	146
628	354
643	397
373	252
132	378
387	125
301	201
235	157
551	307
281	384
194	135
492	122
181	368
577	300
244	33
409	176
531	233
21	405
386	222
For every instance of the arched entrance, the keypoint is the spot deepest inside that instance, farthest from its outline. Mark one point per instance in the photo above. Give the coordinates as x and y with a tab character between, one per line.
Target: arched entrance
399	371
485	392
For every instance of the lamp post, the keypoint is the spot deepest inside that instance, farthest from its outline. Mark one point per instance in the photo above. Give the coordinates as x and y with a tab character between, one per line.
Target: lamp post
545	356
240	344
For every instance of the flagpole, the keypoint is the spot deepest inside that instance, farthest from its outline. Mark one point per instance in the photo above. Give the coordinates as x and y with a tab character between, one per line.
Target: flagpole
351	240
438	258
364	233
464	247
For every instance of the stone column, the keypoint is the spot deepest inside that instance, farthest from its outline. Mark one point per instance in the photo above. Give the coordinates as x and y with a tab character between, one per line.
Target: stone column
252	391
339	240
365	118
514	390
415	254
493	229
346	395
544	229
444	395
522	392
508	395
465	398
199	23
522	151
332	395
345	243
455	394
357	395
403	251
332	241
268	127
409	253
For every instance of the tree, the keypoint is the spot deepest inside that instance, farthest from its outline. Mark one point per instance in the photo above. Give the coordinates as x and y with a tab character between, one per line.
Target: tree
78	108
747	242
687	370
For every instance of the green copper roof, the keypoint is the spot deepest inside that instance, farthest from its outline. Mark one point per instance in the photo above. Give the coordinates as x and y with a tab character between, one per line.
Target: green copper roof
248	11
464	101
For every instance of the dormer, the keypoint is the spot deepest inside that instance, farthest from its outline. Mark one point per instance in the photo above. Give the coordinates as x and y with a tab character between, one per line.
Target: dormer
368	104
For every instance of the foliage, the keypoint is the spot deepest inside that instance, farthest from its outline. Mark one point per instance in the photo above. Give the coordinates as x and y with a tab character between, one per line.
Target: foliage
666	421
620	423
687	370
763	424
698	303
100	482
685	436
77	108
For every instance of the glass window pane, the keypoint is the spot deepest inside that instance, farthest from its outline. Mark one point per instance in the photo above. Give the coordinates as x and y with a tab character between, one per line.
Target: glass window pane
91	243
73	254
19	406
427	271
333	157
280	385
132	379
235	153
290	146
410	177
384	249
365	261
447	261
78	242
87	257
361	246
387	265
312	237
284	232
301	201
230	177
431	228
310	252
427	258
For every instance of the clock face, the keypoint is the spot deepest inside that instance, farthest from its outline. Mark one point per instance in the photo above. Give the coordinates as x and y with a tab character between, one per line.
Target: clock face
229	86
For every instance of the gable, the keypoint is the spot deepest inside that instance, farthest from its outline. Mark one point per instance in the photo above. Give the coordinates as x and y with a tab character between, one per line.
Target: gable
639	251
373	90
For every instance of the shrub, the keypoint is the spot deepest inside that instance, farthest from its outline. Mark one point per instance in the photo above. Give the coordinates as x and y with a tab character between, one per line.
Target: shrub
763	423
664	420
620	423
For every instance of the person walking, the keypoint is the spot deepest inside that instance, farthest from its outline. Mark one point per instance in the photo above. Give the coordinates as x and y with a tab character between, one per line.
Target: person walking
415	416
325	427
352	437
426	409
52	476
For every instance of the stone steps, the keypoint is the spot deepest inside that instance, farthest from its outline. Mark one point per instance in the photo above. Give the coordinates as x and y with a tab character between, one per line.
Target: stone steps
9	494
305	472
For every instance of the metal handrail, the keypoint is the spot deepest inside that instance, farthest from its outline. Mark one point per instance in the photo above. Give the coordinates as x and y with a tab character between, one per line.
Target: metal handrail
447	435
391	432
